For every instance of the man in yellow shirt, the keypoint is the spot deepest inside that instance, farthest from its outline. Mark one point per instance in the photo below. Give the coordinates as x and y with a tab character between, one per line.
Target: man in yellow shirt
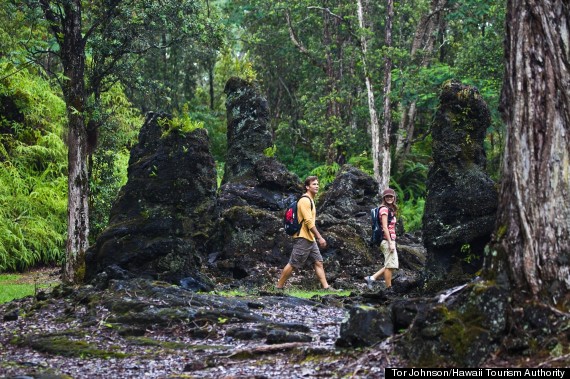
305	248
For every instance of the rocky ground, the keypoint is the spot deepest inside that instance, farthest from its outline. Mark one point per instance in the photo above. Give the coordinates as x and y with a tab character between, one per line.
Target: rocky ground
143	329
125	333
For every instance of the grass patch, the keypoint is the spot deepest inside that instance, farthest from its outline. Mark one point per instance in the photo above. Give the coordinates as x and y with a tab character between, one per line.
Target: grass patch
309	294
10	292
291	291
17	286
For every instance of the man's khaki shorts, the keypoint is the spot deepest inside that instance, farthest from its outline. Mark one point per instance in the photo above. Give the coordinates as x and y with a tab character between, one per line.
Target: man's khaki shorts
304	251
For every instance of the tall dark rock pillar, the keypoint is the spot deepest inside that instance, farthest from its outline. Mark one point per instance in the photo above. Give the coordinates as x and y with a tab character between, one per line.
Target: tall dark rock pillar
256	189
162	216
248	128
462	200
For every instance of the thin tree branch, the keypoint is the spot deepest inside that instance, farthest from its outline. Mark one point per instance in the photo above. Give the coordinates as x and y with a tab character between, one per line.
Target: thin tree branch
25	65
109	14
300	46
54	20
328	11
341	18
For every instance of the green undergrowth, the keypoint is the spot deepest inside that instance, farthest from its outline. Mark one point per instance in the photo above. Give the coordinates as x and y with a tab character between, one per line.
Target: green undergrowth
33	172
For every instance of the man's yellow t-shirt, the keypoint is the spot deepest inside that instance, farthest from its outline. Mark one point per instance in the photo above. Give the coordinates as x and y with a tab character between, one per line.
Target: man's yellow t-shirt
307	217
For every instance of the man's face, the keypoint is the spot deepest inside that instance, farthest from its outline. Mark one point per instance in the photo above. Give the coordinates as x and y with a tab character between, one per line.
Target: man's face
313	187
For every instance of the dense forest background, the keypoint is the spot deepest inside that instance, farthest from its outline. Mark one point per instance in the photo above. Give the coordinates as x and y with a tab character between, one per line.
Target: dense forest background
310	59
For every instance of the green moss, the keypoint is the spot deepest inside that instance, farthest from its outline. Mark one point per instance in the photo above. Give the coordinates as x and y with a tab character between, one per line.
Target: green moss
80	272
460	329
66	345
430	359
172	262
161	284
480	287
255	213
501	231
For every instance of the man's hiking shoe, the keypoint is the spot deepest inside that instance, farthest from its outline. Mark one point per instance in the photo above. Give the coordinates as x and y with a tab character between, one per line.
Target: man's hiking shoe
279	290
331	289
368	282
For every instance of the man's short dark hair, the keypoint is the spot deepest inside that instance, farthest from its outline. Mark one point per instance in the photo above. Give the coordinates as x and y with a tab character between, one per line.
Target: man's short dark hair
310	179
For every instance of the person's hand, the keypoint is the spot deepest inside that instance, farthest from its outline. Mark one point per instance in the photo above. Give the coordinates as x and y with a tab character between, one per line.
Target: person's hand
393	245
322	242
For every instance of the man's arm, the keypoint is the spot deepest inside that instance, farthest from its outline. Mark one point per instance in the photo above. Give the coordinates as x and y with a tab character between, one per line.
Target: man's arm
309	220
304	209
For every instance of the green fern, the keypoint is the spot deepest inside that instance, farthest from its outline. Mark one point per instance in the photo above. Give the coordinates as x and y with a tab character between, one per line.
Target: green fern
270	151
411	212
33	183
326	173
182	123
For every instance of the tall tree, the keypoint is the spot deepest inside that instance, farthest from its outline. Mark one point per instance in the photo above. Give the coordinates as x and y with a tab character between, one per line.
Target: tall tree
374	124
328	60
65	23
111	32
429	26
532	238
387	91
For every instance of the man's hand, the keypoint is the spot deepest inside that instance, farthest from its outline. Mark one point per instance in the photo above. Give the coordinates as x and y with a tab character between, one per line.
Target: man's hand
322	242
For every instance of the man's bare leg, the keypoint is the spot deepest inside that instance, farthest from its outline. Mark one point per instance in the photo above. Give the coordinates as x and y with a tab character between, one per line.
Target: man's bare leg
320	271
285	274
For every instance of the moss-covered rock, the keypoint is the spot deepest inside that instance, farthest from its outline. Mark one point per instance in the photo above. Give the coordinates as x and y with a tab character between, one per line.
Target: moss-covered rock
67	345
460	329
461	204
163	215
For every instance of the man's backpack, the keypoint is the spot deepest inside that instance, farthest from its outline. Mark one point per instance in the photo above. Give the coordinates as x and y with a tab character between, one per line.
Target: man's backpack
290	221
377	232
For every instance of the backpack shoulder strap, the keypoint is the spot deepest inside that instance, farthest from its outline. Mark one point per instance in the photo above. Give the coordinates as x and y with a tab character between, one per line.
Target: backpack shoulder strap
310	201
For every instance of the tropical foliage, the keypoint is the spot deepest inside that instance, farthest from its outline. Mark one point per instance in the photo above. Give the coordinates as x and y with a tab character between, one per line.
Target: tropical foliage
33	164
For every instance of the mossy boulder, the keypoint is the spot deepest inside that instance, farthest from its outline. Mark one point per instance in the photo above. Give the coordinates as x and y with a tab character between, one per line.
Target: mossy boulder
459	329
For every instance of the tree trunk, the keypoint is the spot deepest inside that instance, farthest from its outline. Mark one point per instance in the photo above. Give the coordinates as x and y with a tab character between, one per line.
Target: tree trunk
211	83
66	27
387	115
374	124
334	153
333	107
211	65
424	39
532	238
